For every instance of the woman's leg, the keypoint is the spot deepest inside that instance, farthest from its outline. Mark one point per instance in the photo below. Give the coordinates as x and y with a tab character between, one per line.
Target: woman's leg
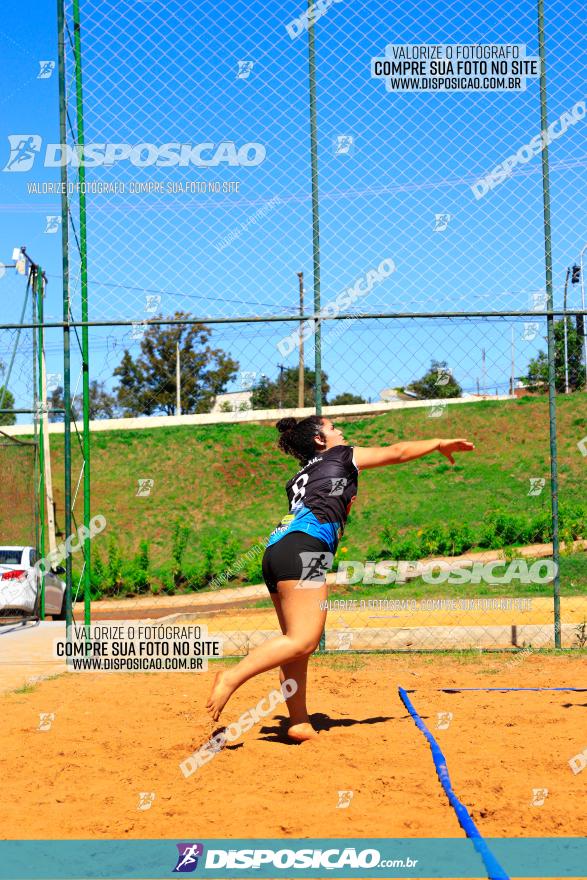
304	621
300	727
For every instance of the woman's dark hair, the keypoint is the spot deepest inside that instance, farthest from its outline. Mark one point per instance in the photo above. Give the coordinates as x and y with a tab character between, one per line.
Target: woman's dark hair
297	437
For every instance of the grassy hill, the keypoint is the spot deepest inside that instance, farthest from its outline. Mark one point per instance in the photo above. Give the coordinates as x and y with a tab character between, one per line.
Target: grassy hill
220	488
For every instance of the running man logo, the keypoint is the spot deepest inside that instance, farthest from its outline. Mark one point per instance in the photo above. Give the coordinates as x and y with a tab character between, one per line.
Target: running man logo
344	640
53	223
46	69
23	149
530	330
139	328
54	380
152	302
539	795
344	799
444	719
444	376
338	486
582	446
441	222
187	860
46	719
539	300
146	799
343	145
314	568
248	378
145	487
244	69
436	410
218	742
537	484
40	410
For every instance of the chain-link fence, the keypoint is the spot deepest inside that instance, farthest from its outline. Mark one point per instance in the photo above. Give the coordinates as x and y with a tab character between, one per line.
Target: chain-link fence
25	484
17	482
248	171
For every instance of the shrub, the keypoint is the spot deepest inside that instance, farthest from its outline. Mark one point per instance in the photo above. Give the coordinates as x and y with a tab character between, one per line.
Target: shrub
137	576
229	548
497	531
253	569
458	540
180	537
98	577
114	580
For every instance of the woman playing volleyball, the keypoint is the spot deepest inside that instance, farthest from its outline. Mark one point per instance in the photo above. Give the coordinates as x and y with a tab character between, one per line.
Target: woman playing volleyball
302	547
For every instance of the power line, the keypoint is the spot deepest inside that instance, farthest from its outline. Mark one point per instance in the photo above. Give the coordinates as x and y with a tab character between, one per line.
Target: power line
154	290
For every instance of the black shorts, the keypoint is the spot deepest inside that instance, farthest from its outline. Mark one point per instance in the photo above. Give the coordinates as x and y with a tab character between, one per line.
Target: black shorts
296	556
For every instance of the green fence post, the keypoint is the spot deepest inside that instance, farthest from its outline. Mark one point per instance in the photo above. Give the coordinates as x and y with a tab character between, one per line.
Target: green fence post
84	299
315	233
66	315
550	330
39	414
315	214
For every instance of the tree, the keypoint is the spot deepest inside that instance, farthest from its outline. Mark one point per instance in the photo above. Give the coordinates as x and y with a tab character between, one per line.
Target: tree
55	401
345	399
438	382
102	404
283	392
148	383
10	417
7	402
537	377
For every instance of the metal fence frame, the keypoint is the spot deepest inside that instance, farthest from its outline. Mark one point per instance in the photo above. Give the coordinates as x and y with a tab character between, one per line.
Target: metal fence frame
74	234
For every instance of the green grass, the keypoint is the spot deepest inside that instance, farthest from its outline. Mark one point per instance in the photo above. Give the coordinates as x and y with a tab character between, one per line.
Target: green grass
25	689
350	661
30	688
232	477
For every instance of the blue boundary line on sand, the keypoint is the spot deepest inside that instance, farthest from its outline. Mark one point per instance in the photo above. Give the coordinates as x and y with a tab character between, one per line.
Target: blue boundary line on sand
459	690
494	869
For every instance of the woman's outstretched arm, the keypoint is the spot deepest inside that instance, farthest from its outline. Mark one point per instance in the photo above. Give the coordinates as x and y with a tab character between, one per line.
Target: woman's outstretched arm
398	453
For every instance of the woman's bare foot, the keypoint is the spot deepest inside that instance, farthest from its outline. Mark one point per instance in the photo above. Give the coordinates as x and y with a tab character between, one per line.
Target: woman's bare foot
302	732
219	695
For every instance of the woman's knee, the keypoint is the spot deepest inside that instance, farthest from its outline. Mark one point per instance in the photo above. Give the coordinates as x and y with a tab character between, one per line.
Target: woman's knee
305	645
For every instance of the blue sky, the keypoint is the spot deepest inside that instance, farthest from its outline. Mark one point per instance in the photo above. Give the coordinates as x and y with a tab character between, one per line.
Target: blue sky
166	73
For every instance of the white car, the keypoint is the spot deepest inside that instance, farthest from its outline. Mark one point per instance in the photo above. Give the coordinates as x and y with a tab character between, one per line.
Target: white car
20	585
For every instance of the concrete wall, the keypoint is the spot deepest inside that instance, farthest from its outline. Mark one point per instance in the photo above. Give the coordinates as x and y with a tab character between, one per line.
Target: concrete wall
257	415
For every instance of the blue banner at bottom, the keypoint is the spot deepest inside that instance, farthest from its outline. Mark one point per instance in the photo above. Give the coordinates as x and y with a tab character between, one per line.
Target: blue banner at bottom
537	857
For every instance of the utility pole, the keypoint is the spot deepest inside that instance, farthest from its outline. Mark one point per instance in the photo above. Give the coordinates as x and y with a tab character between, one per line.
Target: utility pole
47	463
565	330
512	377
484	375
281	368
177	381
301	345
